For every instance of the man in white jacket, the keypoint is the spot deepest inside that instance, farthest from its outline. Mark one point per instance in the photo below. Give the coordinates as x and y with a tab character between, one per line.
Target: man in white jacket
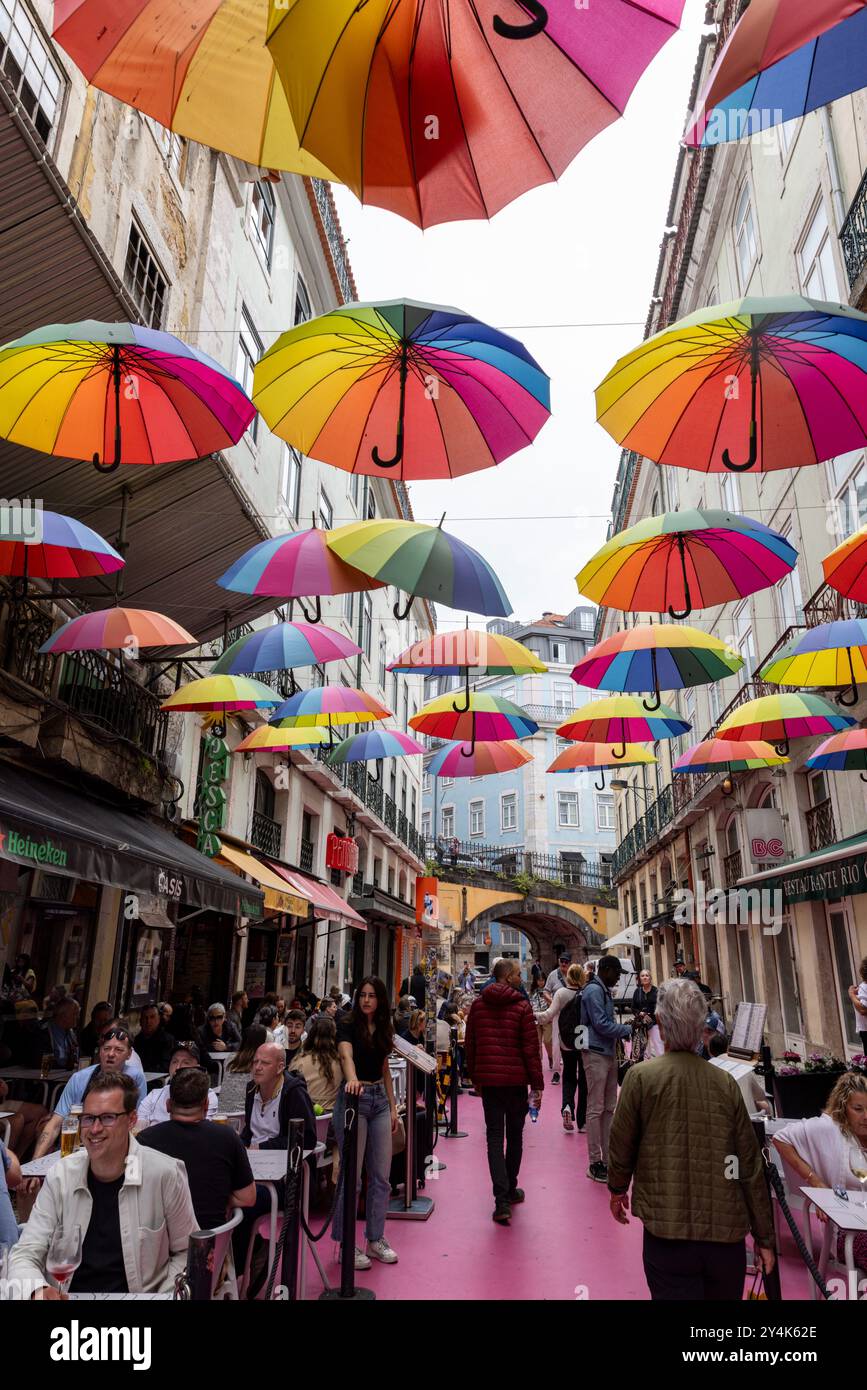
132	1206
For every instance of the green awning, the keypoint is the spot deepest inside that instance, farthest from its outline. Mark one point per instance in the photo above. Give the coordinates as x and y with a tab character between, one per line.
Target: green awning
838	871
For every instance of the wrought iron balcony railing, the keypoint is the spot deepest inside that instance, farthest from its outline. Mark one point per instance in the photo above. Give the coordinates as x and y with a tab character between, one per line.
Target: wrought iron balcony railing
821	828
305	859
853	234
336	244
355	777
265	834
732	868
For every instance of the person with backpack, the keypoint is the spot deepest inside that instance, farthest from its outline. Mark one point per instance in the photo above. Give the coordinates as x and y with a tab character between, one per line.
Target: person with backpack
600	1061
565	1010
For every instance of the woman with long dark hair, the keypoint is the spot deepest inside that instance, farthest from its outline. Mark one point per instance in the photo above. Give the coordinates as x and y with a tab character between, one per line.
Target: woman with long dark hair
364	1042
237	1075
318	1062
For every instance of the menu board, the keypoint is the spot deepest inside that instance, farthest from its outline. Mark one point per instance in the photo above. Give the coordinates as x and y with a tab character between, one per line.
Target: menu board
748	1030
254	978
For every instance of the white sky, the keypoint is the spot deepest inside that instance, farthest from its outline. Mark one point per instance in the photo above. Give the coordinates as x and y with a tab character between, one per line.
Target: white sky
583	250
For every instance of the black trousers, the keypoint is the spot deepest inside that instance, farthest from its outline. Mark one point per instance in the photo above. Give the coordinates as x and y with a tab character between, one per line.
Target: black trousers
863	1036
574	1079
703	1270
505	1110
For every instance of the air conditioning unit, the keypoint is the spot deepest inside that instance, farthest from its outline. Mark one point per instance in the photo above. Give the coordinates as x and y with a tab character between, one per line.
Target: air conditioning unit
56	888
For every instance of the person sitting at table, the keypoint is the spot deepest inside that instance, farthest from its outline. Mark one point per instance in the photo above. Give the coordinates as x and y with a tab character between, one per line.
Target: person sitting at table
166	1012
825	1150
26	1119
27	1040
10	1176
217	1035
294	1024
218	1169
153	1043
154	1109
237	1074
100	1015
131	1204
115	1055
62	1036
319	1064
239	1002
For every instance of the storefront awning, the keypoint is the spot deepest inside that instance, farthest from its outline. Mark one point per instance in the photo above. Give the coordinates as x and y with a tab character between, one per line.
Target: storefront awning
276	897
46	825
382	907
838	871
326	903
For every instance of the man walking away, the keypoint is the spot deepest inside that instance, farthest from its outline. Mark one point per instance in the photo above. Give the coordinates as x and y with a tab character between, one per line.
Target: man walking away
504	1059
556	980
600	1061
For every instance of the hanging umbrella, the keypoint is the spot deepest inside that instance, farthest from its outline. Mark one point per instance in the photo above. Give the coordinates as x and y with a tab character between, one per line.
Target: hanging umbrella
654	657
403	390
485	760
779	718
325	705
424	561
779	62
690	559
373	744
268	739
721	755
117	629
221	694
458	653
843	752
119	392
583	755
620	720
489	719
845	568
64	549
782	381
283	646
199	67
827	655
517	89
296	566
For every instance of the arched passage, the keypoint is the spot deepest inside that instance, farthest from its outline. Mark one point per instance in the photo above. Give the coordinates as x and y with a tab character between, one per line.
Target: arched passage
548	926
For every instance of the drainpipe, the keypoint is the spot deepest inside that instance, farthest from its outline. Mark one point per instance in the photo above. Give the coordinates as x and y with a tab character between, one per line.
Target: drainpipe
833	167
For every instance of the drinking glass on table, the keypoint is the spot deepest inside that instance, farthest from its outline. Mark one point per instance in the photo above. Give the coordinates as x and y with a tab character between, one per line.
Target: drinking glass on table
46	1064
858	1167
64	1256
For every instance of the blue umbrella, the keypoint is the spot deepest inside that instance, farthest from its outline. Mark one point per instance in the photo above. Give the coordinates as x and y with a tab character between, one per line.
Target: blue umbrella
373	744
282	646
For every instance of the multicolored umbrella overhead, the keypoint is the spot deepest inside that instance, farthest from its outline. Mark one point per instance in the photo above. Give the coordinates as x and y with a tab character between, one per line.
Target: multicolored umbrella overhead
779	718
845	568
268	739
483	760
759	383
199	67
619	721
118	629
221	694
296	566
829	654
721	755
517	89
402	390
326	705
779	62
282	647
63	548
117	393
655	657
685	560
466	650
489	719
424	561
373	744
579	756
843	752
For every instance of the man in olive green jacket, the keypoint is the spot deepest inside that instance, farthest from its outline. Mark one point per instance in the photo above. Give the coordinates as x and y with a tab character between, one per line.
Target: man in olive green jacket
682	1136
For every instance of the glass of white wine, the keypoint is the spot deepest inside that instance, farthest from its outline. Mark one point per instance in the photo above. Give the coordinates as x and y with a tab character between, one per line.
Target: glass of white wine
858	1167
64	1256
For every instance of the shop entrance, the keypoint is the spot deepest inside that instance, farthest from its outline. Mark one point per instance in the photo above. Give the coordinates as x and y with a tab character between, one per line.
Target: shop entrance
60	924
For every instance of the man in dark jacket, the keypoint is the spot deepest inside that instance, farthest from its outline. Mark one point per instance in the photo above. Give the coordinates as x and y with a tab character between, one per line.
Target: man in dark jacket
416	986
600	1061
503	1058
153	1043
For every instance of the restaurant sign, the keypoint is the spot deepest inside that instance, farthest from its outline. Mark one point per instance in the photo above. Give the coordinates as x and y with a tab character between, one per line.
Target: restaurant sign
341	852
842	879
41	850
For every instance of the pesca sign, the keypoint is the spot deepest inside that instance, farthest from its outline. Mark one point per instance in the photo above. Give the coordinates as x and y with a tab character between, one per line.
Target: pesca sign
341	852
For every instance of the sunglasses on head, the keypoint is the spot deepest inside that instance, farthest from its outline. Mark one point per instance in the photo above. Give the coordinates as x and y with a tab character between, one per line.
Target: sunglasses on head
120	1033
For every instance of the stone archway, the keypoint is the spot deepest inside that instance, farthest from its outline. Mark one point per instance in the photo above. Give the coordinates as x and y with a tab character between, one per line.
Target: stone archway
546	925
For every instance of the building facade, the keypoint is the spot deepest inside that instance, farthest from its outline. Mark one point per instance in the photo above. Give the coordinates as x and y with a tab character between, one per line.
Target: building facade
781	213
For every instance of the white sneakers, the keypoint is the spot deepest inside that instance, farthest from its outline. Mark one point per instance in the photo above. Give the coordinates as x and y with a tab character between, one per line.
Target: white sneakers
381	1250
568	1122
361	1260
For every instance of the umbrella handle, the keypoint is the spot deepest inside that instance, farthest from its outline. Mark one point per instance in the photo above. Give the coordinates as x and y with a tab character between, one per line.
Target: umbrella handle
622	753
782	749
863	776
118	446
404	613
753	454
651	705
849	697
600	785
316	616
462	708
754	432
523	31
672	613
377	778
464	753
398	454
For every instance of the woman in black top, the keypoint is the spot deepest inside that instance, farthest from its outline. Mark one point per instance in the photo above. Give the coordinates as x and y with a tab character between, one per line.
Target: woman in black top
364	1042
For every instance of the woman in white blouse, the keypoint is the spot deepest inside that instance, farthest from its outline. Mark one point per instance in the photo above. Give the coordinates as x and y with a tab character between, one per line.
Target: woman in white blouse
573	1061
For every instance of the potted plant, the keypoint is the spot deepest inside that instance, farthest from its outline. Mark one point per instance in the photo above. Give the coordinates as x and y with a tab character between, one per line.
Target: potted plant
802	1088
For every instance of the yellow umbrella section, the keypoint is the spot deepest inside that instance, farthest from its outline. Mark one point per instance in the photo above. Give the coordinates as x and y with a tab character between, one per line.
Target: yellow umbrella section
269	738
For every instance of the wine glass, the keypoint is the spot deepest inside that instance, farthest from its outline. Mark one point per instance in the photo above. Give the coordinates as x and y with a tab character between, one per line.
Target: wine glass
858	1167
64	1256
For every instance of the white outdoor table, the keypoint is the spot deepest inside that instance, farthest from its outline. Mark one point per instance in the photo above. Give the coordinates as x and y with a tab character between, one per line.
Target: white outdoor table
38	1167
269	1167
221	1058
5	1117
849	1218
56	1079
121	1297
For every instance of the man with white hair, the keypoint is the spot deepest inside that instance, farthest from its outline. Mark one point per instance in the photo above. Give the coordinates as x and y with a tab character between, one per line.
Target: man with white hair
682	1137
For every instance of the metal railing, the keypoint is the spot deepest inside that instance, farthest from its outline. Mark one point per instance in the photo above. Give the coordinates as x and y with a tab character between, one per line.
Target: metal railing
265	834
305	858
336	244
732	868
467	856
549	714
821	827
371	793
853	234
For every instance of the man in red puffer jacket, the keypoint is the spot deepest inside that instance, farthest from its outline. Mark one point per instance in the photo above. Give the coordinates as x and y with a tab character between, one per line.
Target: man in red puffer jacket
504	1058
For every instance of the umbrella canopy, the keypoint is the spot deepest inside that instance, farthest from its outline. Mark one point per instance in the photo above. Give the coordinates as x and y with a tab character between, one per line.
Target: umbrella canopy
373	744
720	755
779	62
654	657
118	629
485	760
296	566
117	393
685	560
583	755
845	568
489	719
268	739
402	390
779	718
282	646
619	721
326	705
755	384
828	654
424	561
66	549
221	694
452	653
517	90
843	752
200	68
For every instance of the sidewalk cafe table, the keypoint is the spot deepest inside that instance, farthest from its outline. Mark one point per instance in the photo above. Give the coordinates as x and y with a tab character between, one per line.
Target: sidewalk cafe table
221	1058
849	1219
269	1168
5	1117
56	1080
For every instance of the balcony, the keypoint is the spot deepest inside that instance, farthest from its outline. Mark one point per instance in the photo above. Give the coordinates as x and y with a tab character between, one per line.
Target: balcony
732	868
821	829
550	714
265	834
853	235
354	777
467	856
324	201
305	860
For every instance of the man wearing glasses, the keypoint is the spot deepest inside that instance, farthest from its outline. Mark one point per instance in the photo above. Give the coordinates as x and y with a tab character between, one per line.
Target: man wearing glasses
131	1206
154	1109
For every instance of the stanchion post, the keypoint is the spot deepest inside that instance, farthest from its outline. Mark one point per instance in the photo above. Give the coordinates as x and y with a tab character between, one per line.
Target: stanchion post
200	1260
410	1207
452	1132
292	1217
349	1177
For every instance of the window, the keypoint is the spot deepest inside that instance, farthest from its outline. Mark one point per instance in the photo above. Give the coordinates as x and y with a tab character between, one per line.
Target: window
405	724
731	493
366	624
326	511
425	824
263	215
852	502
477	817
26	60
568	809
689	704
509	811
290	480
348	607
604	811
383	659
144	279
507	693
403	792
172	147
788	592
563	694
249	352
787	979
744	632
816	258
561	745
786	133
354	484
559	651
413	806
426	782
746	244
447	781
510	936
371	516
447	821
714	704
303	307
840	939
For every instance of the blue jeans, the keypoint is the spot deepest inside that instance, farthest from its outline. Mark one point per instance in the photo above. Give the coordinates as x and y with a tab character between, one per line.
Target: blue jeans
374	1143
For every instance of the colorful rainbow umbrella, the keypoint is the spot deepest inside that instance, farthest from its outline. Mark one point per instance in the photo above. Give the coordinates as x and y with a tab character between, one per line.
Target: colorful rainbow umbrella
424	561
483	760
296	566
458	653
755	384
326	705
779	718
690	559
843	752
721	755
199	67
779	62
221	694
845	568
373	744
583	755
283	646
442	111
403	390
620	720
828	654
117	391
118	629
654	657
268	739
63	549
489	719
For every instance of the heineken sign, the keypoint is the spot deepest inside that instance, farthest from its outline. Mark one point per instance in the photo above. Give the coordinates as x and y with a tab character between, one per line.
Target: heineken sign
41	851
